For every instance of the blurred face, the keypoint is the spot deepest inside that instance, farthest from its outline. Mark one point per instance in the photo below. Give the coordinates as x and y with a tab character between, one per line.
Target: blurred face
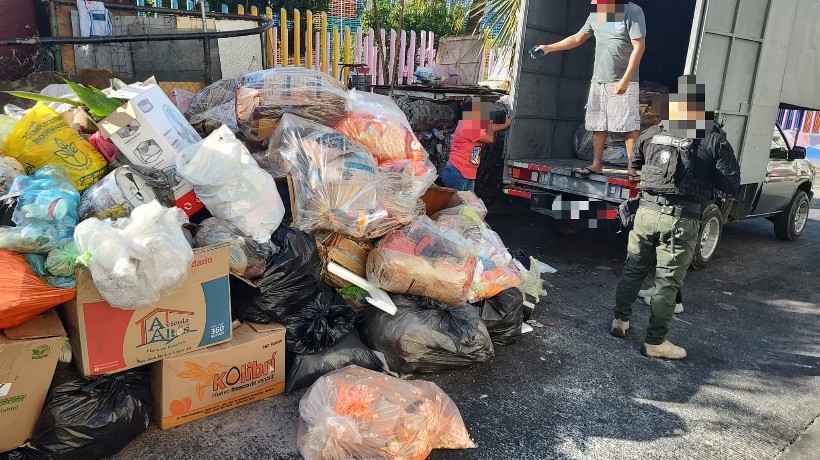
687	110
479	112
608	10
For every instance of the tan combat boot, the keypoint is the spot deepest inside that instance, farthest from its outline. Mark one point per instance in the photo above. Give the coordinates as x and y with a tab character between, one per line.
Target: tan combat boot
666	350
619	328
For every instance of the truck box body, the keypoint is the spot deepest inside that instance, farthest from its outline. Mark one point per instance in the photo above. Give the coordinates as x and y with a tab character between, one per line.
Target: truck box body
753	56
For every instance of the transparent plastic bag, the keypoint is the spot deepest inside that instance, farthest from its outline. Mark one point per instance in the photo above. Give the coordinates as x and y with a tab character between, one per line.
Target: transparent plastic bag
263	97
358	413
134	259
338	185
42	137
614	150
363	102
23	295
427	336
37	262
231	185
213	107
495	270
117	194
62	260
46	212
9	170
387	139
181	98
420	260
247	256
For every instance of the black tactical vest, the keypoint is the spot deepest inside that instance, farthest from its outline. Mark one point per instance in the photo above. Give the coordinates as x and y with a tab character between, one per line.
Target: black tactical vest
669	169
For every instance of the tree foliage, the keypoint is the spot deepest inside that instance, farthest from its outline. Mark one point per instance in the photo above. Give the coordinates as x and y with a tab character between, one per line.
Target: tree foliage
430	15
503	13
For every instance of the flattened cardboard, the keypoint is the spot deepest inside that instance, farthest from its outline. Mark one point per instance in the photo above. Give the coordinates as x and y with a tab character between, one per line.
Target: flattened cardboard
249	368
195	315
28	358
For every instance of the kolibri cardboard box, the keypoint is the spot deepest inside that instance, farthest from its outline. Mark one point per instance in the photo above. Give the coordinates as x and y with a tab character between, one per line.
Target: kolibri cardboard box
249	368
195	315
28	358
149	130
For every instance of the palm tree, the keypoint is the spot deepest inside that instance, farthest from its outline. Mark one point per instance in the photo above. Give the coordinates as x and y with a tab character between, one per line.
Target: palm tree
495	12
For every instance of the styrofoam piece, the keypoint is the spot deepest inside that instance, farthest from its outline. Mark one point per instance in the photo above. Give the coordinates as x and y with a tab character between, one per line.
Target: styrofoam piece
377	296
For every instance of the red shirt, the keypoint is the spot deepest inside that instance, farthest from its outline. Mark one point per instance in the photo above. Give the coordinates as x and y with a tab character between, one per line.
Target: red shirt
465	150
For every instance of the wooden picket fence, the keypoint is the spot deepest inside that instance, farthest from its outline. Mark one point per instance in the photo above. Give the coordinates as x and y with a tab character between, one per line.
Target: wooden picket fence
326	47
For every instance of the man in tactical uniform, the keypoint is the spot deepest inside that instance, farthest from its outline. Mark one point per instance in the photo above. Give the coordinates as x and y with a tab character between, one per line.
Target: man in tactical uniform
684	162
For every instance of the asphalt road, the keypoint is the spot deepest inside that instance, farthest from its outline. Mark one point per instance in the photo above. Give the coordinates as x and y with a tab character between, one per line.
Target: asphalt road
749	389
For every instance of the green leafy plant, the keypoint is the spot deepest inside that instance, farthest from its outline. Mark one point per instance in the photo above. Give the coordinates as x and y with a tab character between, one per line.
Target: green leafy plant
495	13
99	105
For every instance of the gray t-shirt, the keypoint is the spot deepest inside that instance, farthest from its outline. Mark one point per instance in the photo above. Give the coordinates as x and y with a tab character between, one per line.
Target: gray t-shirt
613	43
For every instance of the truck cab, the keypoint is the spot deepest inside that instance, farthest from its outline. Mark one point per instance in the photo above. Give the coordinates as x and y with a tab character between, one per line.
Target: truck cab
752	60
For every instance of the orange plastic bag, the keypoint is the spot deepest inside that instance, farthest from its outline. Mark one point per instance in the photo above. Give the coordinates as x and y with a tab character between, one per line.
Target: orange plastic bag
23	295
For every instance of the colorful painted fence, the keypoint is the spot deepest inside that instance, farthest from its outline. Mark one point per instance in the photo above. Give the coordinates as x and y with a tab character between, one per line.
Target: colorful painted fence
317	44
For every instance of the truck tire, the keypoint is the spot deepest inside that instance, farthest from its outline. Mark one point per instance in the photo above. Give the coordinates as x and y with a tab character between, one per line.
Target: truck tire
791	222
711	229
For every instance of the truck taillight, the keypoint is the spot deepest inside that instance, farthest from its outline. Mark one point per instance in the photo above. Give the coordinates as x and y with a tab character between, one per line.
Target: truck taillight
524	174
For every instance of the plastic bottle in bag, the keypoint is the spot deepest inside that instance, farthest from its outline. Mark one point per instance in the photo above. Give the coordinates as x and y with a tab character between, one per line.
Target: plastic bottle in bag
45	214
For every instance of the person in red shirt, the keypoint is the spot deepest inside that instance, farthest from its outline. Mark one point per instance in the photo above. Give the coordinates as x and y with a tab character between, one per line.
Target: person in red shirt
473	131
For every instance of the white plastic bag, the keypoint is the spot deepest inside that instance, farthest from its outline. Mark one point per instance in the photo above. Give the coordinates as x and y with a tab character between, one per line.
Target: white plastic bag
134	259
232	186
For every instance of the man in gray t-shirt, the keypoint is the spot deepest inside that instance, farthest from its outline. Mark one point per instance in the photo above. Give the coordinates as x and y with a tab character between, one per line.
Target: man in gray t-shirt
619	29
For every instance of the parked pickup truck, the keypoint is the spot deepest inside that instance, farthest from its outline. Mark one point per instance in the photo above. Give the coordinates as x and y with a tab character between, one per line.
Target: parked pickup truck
755	57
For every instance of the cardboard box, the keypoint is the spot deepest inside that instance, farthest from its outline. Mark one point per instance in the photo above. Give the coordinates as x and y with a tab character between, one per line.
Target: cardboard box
196	315
350	254
248	368
437	199
28	358
149	130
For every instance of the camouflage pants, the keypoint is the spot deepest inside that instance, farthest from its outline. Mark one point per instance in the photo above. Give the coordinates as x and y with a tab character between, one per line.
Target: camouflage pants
672	241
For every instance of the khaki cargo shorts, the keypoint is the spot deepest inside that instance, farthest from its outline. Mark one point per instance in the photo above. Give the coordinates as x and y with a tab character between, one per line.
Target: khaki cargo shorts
615	113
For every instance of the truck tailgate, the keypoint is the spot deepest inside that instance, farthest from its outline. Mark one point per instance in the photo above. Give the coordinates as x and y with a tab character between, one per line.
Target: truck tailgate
526	177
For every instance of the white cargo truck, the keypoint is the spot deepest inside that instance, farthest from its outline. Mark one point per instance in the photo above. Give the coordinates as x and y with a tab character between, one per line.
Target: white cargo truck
755	57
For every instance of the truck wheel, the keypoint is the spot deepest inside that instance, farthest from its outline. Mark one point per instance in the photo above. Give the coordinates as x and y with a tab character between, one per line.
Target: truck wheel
711	229
563	227
789	224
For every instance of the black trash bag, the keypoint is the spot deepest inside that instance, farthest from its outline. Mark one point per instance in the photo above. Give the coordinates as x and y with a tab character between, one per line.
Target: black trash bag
503	316
427	336
94	418
22	453
7	208
319	325
291	280
302	370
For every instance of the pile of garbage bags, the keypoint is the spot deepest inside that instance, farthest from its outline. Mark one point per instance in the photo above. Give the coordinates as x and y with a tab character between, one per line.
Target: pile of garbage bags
317	197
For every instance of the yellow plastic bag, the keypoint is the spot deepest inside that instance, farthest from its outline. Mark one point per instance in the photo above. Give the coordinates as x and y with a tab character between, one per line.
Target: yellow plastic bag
42	137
